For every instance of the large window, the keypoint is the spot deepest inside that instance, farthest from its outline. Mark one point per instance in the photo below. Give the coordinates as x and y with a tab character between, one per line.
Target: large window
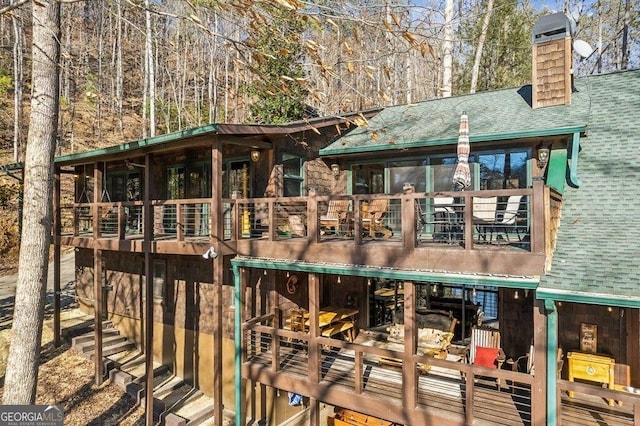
368	179
123	186
401	172
188	181
293	176
503	169
235	178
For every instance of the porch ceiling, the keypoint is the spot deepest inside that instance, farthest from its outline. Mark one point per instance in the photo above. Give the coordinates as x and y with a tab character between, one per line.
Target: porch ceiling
390	273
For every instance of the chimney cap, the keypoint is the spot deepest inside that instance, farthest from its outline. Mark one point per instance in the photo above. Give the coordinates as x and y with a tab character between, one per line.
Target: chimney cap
551	27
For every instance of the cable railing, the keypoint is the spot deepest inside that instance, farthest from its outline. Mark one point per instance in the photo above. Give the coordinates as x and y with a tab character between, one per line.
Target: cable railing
511	219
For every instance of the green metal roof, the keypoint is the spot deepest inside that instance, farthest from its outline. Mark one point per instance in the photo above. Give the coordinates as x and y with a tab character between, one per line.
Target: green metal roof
495	115
597	257
390	273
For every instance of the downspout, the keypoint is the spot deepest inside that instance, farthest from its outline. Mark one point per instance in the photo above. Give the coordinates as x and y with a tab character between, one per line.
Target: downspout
574	181
552	366
237	339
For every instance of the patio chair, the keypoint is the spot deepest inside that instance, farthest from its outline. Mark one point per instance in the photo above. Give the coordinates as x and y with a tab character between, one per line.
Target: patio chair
335	217
485	349
484	216
445	218
507	218
375	217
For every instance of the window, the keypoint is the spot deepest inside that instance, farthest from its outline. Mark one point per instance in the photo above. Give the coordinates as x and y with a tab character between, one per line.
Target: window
292	175
124	186
401	172
188	181
504	169
368	179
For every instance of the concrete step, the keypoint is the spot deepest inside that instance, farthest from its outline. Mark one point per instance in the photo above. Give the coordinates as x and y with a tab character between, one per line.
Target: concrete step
107	340
197	410
87	337
111	349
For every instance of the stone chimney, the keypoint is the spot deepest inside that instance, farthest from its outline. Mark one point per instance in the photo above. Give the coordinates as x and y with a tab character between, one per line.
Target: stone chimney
552	61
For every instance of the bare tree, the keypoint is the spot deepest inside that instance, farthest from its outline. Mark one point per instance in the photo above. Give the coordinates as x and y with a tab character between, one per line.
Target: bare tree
481	40
24	353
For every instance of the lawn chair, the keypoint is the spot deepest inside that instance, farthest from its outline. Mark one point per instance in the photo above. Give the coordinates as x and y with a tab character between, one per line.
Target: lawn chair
485	349
375	217
445	219
484	216
507	219
335	218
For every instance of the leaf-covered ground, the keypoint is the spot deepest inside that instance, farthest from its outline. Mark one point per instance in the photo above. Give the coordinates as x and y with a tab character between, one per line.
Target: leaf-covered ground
66	377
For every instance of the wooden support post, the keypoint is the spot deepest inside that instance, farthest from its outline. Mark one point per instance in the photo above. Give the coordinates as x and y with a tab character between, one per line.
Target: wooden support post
97	276
538	390
148	292
409	371
409	223
218	279
313	230
313	347
97	314
56	258
314	414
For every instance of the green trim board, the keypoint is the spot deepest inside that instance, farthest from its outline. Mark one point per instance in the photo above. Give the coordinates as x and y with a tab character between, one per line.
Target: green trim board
392	273
143	143
335	150
548	294
557	169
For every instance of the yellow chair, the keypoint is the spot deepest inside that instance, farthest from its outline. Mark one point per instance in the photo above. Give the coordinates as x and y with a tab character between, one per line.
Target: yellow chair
335	218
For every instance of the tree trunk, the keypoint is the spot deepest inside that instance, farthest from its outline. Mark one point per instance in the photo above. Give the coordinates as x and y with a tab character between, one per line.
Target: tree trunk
17	85
24	353
481	39
447	50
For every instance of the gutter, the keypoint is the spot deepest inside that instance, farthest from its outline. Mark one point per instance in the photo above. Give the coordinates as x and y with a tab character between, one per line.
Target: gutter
574	181
503	281
367	147
619	301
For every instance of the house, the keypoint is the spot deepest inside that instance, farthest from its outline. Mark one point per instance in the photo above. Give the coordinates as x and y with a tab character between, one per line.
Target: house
260	286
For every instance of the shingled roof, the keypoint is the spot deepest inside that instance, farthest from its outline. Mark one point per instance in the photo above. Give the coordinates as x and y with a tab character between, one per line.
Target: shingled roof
494	115
597	259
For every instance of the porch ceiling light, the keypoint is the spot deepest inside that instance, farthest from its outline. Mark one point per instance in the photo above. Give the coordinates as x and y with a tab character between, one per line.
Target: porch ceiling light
335	169
543	157
210	253
255	155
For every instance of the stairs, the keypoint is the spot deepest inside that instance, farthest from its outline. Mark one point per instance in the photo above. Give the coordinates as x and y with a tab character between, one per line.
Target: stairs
174	401
112	341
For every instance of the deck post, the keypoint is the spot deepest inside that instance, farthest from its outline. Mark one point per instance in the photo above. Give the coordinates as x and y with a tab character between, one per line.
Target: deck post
218	278
97	313
552	348
409	371
148	292
56	258
538	389
97	275
313	347
408	218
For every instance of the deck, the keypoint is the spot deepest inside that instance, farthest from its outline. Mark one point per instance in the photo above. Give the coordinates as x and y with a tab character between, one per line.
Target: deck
448	392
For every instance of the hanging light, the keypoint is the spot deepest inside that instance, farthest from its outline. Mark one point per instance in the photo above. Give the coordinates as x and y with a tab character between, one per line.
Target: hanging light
473	293
265	272
543	157
516	296
434	289
338	280
287	274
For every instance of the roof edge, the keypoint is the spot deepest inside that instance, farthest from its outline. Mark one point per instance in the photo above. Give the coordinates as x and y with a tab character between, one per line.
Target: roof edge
454	140
588	298
376	272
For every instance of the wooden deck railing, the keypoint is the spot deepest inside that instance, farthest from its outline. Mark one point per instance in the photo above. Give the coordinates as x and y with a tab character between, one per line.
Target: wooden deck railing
331	367
410	220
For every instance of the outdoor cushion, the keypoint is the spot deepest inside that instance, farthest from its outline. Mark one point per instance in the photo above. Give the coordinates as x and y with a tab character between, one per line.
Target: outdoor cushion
486	357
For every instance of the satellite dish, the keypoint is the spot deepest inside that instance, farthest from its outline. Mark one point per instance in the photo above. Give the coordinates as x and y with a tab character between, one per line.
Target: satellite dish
582	48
